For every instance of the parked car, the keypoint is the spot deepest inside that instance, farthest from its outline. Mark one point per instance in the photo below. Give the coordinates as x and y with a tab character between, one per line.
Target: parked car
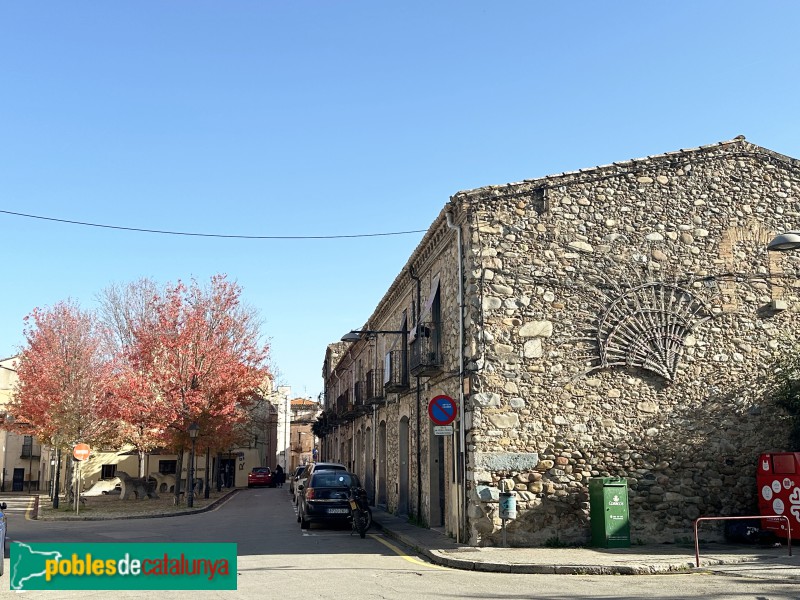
293	479
260	476
325	497
309	469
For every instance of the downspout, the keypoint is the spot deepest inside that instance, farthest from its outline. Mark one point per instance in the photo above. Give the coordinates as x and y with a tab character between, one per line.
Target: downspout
419	404
459	461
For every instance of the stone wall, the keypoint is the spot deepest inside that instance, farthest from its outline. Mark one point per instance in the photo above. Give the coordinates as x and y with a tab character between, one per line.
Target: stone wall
560	272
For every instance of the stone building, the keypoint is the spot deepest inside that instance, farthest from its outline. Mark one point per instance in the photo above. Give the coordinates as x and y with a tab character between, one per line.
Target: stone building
302	441
621	320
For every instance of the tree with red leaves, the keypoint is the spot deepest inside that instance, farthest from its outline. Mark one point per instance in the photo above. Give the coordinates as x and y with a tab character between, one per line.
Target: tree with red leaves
63	394
202	360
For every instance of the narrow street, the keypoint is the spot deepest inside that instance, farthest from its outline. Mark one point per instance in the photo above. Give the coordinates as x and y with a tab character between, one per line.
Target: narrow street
277	559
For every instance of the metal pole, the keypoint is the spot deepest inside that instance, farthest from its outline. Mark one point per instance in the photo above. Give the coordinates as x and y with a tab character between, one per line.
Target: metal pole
58	472
78	488
190	480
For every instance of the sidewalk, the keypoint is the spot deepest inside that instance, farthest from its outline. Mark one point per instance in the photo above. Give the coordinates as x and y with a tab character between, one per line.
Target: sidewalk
743	560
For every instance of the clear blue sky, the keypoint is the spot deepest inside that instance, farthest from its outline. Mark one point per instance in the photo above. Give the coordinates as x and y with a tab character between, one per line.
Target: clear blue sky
294	118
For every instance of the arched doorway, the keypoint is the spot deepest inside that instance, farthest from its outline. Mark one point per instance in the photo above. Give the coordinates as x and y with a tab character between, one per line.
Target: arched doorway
402	501
369	465
358	466
382	464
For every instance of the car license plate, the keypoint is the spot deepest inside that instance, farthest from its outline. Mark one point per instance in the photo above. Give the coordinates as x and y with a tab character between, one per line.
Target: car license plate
338	511
353	504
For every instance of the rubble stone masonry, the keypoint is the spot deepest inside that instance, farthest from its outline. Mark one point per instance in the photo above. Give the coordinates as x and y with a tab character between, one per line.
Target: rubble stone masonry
550	262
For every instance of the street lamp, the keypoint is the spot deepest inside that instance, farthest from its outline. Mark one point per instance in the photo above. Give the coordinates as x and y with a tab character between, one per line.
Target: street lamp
785	241
194	429
358	334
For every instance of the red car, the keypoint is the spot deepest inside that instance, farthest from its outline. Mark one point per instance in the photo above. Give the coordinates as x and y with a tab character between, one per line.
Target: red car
260	476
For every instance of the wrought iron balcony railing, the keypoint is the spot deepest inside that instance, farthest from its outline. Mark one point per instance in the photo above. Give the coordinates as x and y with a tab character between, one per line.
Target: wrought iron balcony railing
426	356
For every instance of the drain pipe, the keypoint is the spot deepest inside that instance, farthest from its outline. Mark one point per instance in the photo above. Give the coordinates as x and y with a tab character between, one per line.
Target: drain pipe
419	404
459	462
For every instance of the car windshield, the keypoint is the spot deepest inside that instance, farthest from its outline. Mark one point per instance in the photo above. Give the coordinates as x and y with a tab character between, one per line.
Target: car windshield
332	479
260	469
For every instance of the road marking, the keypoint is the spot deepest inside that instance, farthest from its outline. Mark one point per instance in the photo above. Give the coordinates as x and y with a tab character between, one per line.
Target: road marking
402	554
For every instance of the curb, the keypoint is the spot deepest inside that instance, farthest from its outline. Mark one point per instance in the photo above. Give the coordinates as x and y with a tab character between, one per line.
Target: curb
215	504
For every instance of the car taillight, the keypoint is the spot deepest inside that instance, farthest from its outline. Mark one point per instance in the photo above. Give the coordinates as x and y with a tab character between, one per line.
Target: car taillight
309	493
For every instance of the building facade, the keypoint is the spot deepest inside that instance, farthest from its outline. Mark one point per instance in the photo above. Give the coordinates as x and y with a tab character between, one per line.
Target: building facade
303	445
622	320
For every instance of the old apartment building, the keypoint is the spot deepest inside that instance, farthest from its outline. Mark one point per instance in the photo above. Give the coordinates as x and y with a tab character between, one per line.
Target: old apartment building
620	320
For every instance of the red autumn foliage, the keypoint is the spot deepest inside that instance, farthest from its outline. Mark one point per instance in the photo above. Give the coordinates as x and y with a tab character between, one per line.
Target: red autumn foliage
197	360
64	379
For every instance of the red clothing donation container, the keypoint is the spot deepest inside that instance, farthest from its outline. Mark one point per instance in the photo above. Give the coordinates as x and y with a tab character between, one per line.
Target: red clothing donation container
778	482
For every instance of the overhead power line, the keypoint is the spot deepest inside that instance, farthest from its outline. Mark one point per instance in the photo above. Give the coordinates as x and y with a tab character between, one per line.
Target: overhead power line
211	235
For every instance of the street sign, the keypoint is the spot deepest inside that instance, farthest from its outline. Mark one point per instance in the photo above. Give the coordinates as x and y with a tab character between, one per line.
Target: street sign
81	451
442	410
442	430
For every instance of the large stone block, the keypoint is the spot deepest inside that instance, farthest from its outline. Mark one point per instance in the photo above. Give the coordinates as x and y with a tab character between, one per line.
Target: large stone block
506	461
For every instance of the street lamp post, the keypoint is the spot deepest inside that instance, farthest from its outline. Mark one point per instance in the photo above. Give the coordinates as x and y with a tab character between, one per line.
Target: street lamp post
194	429
58	473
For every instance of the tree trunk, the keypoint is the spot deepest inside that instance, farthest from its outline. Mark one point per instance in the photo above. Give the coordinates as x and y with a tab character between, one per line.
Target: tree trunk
178	476
207	480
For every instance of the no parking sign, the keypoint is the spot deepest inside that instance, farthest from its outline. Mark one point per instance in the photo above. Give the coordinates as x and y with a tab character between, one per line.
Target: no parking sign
442	410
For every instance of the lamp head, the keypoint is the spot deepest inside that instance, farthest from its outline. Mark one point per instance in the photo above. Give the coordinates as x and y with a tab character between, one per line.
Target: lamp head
352	336
194	429
785	241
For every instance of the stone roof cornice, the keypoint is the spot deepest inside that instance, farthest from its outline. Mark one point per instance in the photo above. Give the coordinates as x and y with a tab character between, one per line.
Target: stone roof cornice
738	146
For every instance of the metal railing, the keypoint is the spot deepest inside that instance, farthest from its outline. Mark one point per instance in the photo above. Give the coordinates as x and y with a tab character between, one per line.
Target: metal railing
697	539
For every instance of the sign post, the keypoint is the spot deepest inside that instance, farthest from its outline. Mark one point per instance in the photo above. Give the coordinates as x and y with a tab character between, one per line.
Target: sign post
81	452
442	411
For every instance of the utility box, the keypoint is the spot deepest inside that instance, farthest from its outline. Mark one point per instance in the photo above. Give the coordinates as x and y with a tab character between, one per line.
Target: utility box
778	480
608	512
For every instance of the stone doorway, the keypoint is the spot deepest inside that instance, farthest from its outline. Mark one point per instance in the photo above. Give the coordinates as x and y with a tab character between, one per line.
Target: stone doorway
382	464
402	500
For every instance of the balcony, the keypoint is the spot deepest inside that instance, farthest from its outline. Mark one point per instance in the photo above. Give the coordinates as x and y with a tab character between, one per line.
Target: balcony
343	404
360	393
396	372
374	382
426	356
31	451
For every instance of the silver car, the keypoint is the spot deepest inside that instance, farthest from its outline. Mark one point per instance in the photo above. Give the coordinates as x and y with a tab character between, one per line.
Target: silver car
3	507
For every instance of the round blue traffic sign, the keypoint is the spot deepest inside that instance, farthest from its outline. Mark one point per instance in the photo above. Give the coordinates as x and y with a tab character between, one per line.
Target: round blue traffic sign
442	410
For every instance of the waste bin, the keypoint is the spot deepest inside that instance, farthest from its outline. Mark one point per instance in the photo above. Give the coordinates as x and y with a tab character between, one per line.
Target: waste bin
508	505
608	511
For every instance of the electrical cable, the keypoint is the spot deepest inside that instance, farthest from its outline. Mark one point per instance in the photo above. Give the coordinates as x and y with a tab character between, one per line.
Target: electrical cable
212	235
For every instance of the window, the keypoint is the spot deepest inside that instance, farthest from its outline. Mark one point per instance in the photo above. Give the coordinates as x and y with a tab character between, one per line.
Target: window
108	471
27	446
167	467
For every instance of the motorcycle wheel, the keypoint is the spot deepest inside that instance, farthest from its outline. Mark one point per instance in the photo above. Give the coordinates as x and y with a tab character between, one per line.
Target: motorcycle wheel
361	523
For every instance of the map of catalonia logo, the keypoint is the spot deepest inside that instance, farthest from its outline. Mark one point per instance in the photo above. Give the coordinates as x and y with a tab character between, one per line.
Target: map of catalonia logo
83	566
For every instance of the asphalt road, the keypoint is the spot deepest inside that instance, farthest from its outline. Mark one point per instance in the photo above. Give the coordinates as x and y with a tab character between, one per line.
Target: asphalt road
279	560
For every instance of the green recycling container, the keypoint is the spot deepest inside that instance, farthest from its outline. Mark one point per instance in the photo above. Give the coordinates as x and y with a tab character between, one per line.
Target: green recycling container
608	512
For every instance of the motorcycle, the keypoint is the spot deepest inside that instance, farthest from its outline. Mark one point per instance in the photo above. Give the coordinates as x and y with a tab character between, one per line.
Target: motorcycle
360	513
